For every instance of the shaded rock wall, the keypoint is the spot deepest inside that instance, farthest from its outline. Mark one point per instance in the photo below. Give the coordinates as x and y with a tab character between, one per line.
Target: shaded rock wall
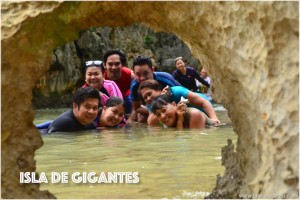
66	74
249	48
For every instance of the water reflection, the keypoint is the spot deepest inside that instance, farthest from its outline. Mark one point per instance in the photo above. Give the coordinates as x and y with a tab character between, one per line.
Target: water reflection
171	163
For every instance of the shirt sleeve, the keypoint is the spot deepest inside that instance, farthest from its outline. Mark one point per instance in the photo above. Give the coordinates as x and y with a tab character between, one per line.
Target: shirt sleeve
178	92
134	90
165	79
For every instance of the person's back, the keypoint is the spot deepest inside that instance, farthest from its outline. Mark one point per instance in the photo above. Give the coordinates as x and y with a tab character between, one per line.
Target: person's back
180	91
163	78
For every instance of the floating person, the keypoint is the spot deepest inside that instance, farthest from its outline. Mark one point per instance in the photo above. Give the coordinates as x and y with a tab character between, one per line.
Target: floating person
150	89
177	115
115	69
186	75
84	111
142	69
112	114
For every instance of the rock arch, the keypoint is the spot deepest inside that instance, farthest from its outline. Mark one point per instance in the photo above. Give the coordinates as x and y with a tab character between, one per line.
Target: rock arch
250	49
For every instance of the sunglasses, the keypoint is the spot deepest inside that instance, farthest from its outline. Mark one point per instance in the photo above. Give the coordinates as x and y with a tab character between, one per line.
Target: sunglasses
93	63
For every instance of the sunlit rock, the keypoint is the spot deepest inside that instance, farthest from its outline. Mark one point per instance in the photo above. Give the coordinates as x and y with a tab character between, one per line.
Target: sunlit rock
250	49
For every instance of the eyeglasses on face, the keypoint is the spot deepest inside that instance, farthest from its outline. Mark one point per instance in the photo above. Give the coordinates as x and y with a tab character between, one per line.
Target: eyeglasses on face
93	63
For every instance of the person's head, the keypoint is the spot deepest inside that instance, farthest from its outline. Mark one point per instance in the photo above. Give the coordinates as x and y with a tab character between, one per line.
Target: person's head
113	112
179	63
142	68
113	61
94	73
148	90
165	109
86	102
203	73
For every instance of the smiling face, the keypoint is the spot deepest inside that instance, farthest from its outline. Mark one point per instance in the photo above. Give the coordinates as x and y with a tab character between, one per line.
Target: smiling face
167	114
149	94
94	77
143	72
113	67
87	111
112	116
180	64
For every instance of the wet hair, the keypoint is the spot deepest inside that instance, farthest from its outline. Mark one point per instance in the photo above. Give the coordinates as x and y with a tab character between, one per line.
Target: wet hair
118	52
160	101
113	101
142	60
152	84
84	93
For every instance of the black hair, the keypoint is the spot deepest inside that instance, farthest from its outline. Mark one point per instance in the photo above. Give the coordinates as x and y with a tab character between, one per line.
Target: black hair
118	52
142	60
160	101
84	93
113	101
101	66
152	84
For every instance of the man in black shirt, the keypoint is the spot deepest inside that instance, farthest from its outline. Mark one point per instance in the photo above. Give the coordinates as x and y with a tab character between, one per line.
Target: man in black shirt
85	109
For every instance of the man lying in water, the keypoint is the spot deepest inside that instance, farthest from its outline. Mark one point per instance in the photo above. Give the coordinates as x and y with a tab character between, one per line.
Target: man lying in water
84	111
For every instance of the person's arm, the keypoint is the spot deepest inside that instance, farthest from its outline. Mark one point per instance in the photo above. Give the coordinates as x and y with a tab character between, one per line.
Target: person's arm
197	120
152	120
181	110
174	75
200	79
135	106
198	101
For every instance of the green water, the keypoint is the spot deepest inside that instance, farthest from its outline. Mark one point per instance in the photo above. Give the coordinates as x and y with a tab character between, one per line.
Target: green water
171	163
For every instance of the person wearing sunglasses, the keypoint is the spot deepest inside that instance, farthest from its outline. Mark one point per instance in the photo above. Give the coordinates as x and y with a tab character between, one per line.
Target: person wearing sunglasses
115	63
94	78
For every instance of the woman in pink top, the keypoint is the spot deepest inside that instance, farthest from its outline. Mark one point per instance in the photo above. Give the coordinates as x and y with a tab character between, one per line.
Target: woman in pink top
94	78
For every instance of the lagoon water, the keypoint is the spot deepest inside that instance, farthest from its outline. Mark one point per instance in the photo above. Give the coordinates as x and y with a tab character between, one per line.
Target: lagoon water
171	163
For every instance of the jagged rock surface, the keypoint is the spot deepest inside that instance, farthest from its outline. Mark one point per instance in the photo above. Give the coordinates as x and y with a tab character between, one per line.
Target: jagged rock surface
250	49
66	73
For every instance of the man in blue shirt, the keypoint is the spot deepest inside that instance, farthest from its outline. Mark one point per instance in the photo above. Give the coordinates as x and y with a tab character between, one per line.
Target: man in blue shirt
142	69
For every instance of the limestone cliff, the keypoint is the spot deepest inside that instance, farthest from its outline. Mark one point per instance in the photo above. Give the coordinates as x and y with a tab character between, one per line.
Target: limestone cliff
250	49
66	74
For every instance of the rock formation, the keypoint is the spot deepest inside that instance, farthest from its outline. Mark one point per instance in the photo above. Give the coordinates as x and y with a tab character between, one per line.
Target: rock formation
66	74
250	49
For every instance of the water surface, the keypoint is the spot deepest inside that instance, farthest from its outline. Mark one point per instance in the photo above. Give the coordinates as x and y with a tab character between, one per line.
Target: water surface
171	163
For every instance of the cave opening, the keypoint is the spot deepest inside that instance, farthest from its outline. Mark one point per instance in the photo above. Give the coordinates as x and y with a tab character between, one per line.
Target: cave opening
52	96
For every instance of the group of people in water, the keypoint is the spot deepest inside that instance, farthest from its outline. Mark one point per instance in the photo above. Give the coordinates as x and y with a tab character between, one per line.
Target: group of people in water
114	95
